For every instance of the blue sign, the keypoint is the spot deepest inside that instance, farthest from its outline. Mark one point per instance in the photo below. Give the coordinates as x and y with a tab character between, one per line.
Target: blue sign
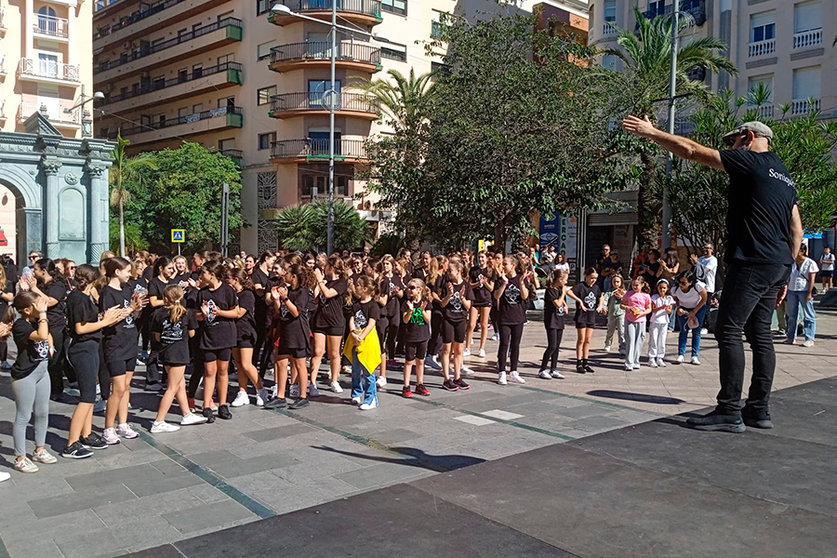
178	235
816	235
550	229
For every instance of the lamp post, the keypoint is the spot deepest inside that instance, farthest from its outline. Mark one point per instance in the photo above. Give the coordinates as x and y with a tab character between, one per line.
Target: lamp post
86	123
330	96
672	92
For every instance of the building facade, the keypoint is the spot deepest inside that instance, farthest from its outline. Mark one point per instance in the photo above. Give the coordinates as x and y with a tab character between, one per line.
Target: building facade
251	83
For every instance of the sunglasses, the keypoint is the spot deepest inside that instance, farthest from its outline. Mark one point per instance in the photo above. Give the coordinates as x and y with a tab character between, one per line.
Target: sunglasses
411	287
72	267
33	257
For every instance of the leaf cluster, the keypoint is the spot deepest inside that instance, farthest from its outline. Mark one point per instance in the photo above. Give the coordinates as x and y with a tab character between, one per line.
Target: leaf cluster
305	227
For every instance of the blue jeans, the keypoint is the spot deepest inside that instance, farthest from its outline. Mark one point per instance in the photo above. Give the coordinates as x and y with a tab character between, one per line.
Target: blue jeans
809	318
363	382
684	332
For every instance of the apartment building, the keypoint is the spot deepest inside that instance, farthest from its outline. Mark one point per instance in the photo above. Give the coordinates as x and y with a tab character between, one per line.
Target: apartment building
253	84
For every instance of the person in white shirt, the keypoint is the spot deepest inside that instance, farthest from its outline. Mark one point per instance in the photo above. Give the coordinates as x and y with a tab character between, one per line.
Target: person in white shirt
662	305
826	268
691	298
706	268
801	293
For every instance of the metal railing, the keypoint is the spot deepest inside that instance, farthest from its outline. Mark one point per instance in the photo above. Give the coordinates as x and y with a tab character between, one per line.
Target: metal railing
696	8
364	7
142	89
318	148
760	48
608	29
357	102
804	106
54	113
52	26
346	50
155	8
149	49
48	69
763	111
186	119
804	39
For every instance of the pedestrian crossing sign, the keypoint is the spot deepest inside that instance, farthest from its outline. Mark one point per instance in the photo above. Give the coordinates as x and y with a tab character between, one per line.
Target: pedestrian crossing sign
178	235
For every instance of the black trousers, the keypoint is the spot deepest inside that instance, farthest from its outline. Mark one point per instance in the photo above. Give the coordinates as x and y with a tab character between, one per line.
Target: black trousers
746	306
553	341
57	362
510	336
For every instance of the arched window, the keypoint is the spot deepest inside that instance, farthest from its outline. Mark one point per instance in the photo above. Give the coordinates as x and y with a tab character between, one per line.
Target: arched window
47	21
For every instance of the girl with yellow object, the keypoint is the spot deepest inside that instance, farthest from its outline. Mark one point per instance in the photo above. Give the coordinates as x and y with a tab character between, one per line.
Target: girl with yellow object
362	346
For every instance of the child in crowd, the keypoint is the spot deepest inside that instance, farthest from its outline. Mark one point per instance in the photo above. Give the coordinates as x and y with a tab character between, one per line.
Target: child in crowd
637	306
363	346
456	304
661	306
586	295
512	296
554	309
612	300
415	320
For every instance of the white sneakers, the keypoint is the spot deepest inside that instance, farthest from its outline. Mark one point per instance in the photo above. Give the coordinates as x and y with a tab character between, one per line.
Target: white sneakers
369	406
607	348
43	456
628	368
514	377
160	427
336	387
557	375
661	363
356	400
695	360
191	419
381	381
482	353
25	465
125	431
652	363
4	476
501	379
680	359
467	372
241	399
110	437
261	397
808	343
544	374
467	353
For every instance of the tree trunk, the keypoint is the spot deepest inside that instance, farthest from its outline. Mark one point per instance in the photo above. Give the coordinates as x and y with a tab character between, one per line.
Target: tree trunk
121	227
501	234
646	232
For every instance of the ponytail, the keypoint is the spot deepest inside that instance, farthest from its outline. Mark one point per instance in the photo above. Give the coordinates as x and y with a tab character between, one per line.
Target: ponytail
173	300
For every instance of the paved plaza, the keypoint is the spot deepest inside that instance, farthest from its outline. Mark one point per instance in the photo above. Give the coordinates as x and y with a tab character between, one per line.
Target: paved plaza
593	465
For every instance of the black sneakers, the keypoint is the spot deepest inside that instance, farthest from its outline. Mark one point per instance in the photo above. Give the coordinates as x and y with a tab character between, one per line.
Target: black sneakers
93	442
461	384
210	416
275	403
449	385
224	412
76	451
718	421
756	418
300	403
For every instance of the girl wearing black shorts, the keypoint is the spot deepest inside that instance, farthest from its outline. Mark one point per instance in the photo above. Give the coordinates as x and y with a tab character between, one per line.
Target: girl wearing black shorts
291	302
219	308
415	322
85	329
554	310
119	344
437	271
245	338
481	278
512	296
163	275
172	326
587	297
47	282
391	285
329	320
456	303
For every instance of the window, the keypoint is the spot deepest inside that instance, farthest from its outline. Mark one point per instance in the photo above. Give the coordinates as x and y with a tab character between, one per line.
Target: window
317	184
159	82
806	17
263	95
197	109
806	83
181	33
266	140
161	120
610	11
394	52
48	65
263	50
762	27
228	102
197	71
182	75
47	22
438	67
224	59
656	7
227	143
395	6
437	24
316	92
225	15
262	6
764	80
183	112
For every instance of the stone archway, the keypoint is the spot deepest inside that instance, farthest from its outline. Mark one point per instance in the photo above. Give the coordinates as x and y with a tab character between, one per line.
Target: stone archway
27	210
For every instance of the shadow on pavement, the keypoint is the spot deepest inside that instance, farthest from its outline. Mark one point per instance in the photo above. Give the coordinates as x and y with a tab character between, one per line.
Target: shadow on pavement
641	397
414	457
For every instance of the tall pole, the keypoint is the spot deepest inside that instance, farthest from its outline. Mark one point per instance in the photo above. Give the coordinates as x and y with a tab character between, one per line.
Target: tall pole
332	102
225	219
672	91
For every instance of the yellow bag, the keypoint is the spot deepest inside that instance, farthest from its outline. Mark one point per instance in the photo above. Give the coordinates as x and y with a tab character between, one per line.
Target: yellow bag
368	352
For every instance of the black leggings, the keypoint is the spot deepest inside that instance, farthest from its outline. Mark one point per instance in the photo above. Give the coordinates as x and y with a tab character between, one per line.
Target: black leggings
435	343
392	336
510	336
553	341
57	360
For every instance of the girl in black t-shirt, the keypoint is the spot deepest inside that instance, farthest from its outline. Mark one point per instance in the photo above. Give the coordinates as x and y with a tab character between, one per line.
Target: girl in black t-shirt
512	296
172	326
555	310
415	323
438	269
246	335
329	320
7	295
48	282
587	297
456	303
163	276
365	313
219	309
391	291
119	344
481	279
291	304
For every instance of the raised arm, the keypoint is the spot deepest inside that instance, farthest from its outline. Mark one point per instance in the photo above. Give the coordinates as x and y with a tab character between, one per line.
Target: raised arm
679	145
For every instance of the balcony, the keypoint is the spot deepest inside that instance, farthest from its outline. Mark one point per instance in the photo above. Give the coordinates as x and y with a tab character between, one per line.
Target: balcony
609	29
2	67
54	113
140	21
48	71
800	107
695	8
237	155
350	55
193	42
51	26
290	105
197	123
805	39
359	12
763	111
184	85
761	48
303	150
2	21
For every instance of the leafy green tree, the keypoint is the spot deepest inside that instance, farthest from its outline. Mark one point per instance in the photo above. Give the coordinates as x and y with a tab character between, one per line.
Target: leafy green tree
305	227
127	170
646	54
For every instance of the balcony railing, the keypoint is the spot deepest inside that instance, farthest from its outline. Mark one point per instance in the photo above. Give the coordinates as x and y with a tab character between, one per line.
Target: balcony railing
29	67
187	119
761	48
696	8
144	51
2	19
805	39
52	26
356	102
158	85
763	111
237	155
804	106
609	29
363	7
346	50
53	113
3	65
318	149
155	8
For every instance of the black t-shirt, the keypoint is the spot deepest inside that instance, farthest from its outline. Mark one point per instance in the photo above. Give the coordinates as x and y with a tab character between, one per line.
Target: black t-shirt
512	306
650	274
590	296
156	287
295	330
139	285
29	353
330	310
610	264
261	313
455	310
553	317
148	273
365	311
416	328
761	199
217	332
82	309
388	286
420	273
55	313
482	296
174	336
245	326
182	280
119	341
436	288
9	288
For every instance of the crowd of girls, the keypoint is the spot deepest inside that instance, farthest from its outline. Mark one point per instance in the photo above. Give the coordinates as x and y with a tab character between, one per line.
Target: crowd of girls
289	312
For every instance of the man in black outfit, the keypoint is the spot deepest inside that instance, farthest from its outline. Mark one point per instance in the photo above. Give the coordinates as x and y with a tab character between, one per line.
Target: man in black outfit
764	231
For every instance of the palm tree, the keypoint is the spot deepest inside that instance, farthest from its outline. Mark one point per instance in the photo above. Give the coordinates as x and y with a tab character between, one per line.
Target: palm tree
124	170
404	99
646	55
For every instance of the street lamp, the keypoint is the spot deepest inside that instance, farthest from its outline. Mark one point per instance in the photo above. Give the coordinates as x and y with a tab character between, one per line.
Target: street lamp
331	98
86	123
672	92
